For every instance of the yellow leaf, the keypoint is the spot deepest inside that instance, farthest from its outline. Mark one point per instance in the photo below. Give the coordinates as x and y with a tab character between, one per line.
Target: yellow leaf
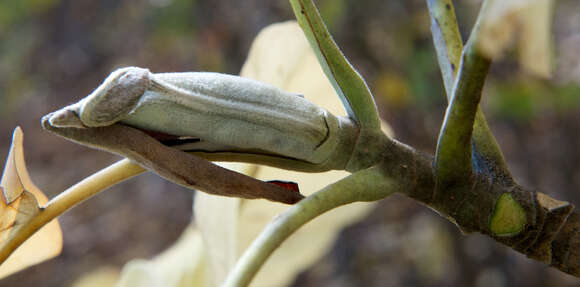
525	22
217	219
536	41
100	277
19	202
182	265
280	55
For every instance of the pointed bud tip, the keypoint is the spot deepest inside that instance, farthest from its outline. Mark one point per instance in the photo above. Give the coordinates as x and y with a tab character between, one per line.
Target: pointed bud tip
63	118
17	134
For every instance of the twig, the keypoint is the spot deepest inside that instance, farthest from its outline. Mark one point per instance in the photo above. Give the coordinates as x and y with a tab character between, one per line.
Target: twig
74	195
449	46
366	185
453	158
348	83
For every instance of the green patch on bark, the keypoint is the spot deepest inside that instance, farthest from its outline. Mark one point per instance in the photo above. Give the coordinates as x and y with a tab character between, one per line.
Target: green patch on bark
508	218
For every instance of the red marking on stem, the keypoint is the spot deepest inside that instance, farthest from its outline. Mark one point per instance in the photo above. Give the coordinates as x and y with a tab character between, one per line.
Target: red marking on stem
286	184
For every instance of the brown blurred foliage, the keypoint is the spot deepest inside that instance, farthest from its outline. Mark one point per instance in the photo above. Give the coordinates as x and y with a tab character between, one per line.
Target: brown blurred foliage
53	52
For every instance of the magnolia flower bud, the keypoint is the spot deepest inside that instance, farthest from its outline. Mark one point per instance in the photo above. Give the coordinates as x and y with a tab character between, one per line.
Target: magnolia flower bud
226	113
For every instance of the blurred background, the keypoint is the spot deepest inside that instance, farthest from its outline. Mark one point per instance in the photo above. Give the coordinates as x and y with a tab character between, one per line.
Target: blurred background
54	52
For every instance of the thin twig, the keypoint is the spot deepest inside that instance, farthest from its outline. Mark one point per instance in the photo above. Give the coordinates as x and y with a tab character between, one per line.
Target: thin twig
348	83
453	157
69	198
449	46
366	185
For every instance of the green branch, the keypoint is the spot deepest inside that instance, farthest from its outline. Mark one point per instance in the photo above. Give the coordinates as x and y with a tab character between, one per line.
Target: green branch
449	47
366	185
348	83
446	39
453	158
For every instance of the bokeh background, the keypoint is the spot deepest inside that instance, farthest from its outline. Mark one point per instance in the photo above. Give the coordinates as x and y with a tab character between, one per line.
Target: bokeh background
54	52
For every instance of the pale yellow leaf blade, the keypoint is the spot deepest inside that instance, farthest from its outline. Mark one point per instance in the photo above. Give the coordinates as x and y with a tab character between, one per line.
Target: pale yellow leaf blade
21	202
8	213
217	219
11	183
522	23
181	265
535	43
106	276
280	55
